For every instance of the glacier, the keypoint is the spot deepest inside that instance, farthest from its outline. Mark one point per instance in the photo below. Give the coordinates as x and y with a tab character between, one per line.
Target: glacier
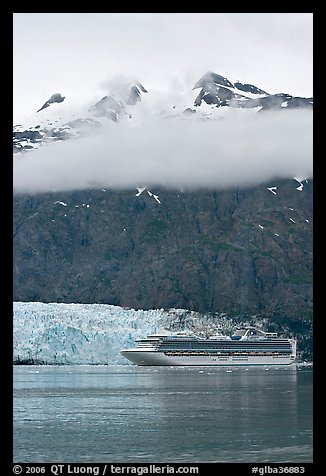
60	333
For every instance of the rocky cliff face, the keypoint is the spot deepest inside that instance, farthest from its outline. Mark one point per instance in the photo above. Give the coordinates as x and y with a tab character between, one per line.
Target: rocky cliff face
243	251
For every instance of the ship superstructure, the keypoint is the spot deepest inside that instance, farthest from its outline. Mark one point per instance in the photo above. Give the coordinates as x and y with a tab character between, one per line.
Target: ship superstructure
247	346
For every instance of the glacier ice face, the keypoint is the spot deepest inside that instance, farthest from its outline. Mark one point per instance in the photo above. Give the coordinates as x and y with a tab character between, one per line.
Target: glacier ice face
57	333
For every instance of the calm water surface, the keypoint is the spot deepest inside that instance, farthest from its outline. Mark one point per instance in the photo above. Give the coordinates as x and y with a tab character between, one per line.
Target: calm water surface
125	413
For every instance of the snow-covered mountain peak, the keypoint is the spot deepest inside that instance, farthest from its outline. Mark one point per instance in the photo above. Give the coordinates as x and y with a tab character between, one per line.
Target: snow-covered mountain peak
62	117
55	98
125	91
134	92
219	91
211	78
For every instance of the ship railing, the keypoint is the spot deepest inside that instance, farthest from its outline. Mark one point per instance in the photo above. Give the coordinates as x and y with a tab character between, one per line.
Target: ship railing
226	354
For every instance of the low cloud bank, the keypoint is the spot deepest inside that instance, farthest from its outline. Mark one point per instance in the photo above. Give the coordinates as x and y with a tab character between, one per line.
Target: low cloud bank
239	150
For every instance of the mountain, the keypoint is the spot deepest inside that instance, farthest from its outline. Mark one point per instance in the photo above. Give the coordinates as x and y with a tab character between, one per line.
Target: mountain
243	251
54	98
57	120
217	90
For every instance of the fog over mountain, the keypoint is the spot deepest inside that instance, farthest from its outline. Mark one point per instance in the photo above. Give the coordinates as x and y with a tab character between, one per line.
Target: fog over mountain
234	149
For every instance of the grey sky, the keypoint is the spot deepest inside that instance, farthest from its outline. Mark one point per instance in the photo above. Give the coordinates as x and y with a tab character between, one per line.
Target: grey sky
77	53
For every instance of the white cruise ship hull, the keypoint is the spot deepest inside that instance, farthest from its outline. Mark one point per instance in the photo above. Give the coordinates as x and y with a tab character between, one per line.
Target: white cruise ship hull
147	357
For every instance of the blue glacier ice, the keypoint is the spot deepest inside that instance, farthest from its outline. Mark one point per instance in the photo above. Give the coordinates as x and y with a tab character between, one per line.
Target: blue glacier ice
57	333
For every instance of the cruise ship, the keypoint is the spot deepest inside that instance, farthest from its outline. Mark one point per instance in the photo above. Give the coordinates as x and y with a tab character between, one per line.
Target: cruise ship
247	346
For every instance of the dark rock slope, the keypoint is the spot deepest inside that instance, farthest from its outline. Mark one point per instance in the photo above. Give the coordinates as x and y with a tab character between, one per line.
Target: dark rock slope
241	251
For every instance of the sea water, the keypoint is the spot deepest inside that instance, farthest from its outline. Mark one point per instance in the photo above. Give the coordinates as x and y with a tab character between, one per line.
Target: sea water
125	413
